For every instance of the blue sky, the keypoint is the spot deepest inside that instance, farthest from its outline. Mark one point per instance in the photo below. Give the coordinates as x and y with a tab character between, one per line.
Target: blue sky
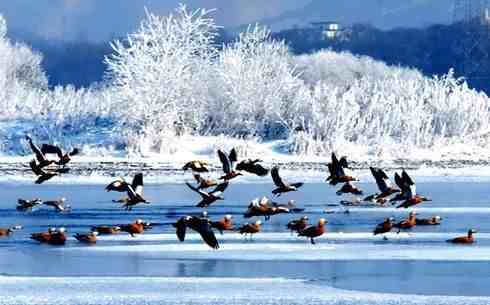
103	19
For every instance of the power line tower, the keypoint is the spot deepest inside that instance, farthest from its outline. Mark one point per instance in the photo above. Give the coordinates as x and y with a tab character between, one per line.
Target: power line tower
473	17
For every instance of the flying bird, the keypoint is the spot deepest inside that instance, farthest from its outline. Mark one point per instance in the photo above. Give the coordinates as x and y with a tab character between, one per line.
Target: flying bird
27	205
282	186
253	167
203	183
201	225
58	205
64	158
383	183
42	160
339	171
134	192
211	197
196	166
228	163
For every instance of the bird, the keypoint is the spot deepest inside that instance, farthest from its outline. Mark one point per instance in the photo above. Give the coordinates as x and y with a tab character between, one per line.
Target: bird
406	224
27	205
211	197
59	205
383	183
373	198
134	192
106	230
250	228
64	158
89	238
349	188
7	231
203	183
339	171
297	225
282	186
54	236
201	225
312	232
468	239
408	191
118	185
264	207
134	228
41	173
41	158
435	220
224	224
384	227
228	163
196	166
253	167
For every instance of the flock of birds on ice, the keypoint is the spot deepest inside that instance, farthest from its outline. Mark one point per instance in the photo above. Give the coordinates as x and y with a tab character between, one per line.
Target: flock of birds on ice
339	173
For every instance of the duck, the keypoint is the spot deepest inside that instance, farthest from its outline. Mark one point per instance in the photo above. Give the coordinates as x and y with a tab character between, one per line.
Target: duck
106	230
42	174
119	185
224	224
4	232
435	220
415	200
209	197
228	163
375	200
312	232
289	207
42	160
134	228
408	193
197	166
253	167
339	171
465	240
282	185
59	205
89	238
63	158
349	188
264	207
297	225
201	225
250	228
408	223
54	236
27	205
383	183
135	193
384	227
204	183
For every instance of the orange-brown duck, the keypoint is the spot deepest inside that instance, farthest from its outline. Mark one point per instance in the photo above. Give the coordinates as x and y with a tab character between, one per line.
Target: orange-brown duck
89	238
433	221
312	232
135	193
250	228
7	231
408	223
59	205
224	224
204	183
384	227
134	228
297	225
465	240
211	197
282	186
349	188
52	237
106	230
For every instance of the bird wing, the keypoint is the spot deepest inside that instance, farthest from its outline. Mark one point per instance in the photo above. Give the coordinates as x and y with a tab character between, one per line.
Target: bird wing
200	192
337	167
35	168
36	150
137	184
297	184
181	227
225	161
382	180
399	182
51	149
44	177
198	178
233	157
220	188
308	231
276	178
75	151
406	178
207	234
117	185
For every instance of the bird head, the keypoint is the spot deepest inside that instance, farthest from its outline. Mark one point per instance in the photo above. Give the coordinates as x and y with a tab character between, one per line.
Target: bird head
471	231
258	222
304	217
322	222
94	233
51	230
61	230
228	217
204	214
139	221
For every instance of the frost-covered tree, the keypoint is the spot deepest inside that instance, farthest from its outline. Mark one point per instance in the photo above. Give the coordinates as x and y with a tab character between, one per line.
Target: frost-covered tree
159	74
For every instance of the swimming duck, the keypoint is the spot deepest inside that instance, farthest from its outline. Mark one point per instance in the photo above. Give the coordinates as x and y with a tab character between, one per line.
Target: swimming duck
383	183
203	183
27	205
224	224
135	193
312	232
228	162
42	161
134	228
7	231
435	220
201	225
349	188
59	205
282	186
339	171
297	225
211	197
250	228
384	227
52	237
106	230
89	238
416	199
64	158
253	167
468	239
408	223
258	208
196	166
